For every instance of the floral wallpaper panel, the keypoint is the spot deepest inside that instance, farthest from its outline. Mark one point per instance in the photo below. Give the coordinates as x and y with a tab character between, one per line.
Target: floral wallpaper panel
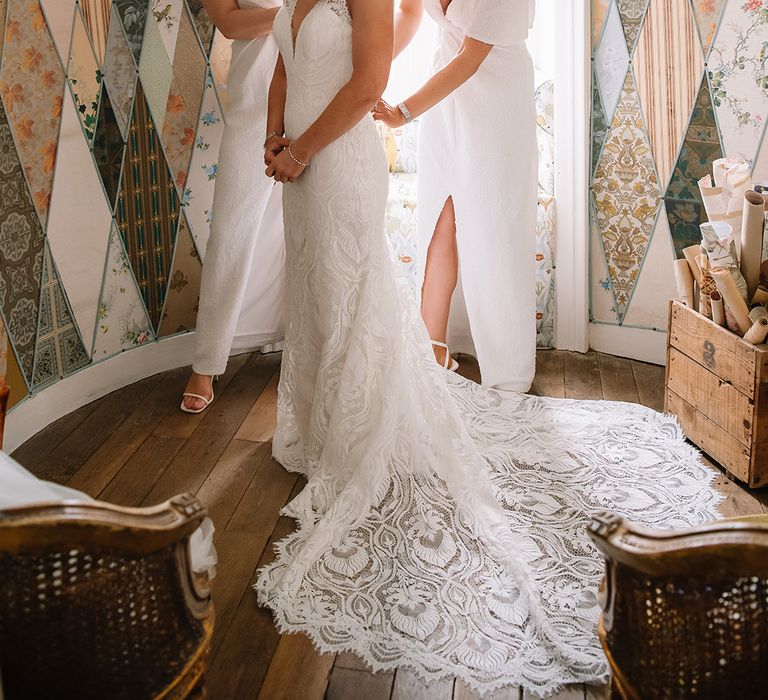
545	272
32	88
84	76
165	14
123	322
133	15
181	303
700	148
632	13
184	98
119	73
198	193
626	195
707	13
738	79
21	252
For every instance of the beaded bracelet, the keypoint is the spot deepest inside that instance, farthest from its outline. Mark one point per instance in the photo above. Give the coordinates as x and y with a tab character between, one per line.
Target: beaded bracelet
295	159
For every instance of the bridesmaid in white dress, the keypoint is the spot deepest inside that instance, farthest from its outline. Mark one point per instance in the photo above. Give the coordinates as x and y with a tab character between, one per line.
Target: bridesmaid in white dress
478	214
242	289
443	523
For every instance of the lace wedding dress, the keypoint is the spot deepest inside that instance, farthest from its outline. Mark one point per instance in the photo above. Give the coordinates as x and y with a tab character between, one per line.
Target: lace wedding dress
443	524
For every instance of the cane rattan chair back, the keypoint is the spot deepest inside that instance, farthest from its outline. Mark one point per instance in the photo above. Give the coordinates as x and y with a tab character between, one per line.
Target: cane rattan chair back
685	614
98	601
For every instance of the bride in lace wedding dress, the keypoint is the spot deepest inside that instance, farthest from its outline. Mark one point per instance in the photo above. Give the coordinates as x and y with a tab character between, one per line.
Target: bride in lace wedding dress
443	523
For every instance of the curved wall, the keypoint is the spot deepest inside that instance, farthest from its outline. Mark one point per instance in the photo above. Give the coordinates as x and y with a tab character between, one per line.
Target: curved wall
654	138
111	115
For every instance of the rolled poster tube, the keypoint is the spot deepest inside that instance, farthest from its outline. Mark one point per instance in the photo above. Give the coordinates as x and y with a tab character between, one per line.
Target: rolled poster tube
752	239
684	280
690	253
758	332
718	310
732	297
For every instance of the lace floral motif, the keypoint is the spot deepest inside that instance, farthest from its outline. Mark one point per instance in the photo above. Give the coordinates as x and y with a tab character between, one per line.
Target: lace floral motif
339	7
443	524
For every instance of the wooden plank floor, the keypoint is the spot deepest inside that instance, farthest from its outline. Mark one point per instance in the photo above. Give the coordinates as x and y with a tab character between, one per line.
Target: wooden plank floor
134	447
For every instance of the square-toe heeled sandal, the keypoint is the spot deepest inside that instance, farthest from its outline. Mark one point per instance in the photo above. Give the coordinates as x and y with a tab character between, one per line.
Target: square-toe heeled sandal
206	401
449	363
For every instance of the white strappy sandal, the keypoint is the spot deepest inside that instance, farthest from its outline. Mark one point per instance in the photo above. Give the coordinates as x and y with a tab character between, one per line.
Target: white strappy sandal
206	401
449	363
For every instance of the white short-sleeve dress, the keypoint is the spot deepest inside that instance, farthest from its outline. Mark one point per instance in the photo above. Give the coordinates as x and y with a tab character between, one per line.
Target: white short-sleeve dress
478	146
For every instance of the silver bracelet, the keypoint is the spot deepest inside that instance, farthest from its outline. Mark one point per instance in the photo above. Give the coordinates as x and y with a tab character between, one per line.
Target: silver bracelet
295	159
405	112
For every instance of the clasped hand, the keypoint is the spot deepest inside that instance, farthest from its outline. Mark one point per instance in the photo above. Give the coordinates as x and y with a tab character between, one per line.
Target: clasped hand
280	165
389	115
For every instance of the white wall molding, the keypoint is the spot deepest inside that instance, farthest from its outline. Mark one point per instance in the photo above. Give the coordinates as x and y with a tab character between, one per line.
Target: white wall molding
635	343
572	105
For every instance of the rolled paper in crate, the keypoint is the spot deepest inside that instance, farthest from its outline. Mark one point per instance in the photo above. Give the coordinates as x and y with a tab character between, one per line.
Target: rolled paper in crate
717	239
718	310
732	297
757	313
705	305
760	296
758	332
752	239
708	286
724	200
690	254
684	279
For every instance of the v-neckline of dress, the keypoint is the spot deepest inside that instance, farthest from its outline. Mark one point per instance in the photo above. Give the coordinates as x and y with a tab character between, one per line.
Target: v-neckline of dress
297	31
444	10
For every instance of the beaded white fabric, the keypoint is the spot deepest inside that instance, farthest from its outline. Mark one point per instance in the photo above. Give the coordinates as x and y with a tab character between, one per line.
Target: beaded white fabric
443	526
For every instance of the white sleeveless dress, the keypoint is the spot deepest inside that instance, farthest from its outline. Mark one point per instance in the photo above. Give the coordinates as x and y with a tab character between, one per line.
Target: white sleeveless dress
443	524
242	288
478	146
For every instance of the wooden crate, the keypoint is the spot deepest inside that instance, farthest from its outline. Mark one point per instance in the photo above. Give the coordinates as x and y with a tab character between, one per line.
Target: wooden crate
717	386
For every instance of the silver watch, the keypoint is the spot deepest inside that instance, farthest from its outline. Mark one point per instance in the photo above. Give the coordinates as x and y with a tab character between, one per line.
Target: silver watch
405	112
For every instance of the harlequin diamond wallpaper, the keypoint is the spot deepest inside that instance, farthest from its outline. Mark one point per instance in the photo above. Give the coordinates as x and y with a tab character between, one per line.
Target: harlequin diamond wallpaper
653	138
111	115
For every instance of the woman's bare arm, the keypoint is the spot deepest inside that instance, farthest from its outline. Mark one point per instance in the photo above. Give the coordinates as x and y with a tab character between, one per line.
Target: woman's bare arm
407	21
449	78
372	35
276	112
240	23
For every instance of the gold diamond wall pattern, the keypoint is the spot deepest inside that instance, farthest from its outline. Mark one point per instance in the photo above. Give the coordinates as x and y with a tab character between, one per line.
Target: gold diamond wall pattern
676	84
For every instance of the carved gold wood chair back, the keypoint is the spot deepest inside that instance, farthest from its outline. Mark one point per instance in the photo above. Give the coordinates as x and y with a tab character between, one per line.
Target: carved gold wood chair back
685	614
99	601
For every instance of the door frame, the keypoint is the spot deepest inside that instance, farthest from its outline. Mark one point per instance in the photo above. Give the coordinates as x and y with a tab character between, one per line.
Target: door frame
572	134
